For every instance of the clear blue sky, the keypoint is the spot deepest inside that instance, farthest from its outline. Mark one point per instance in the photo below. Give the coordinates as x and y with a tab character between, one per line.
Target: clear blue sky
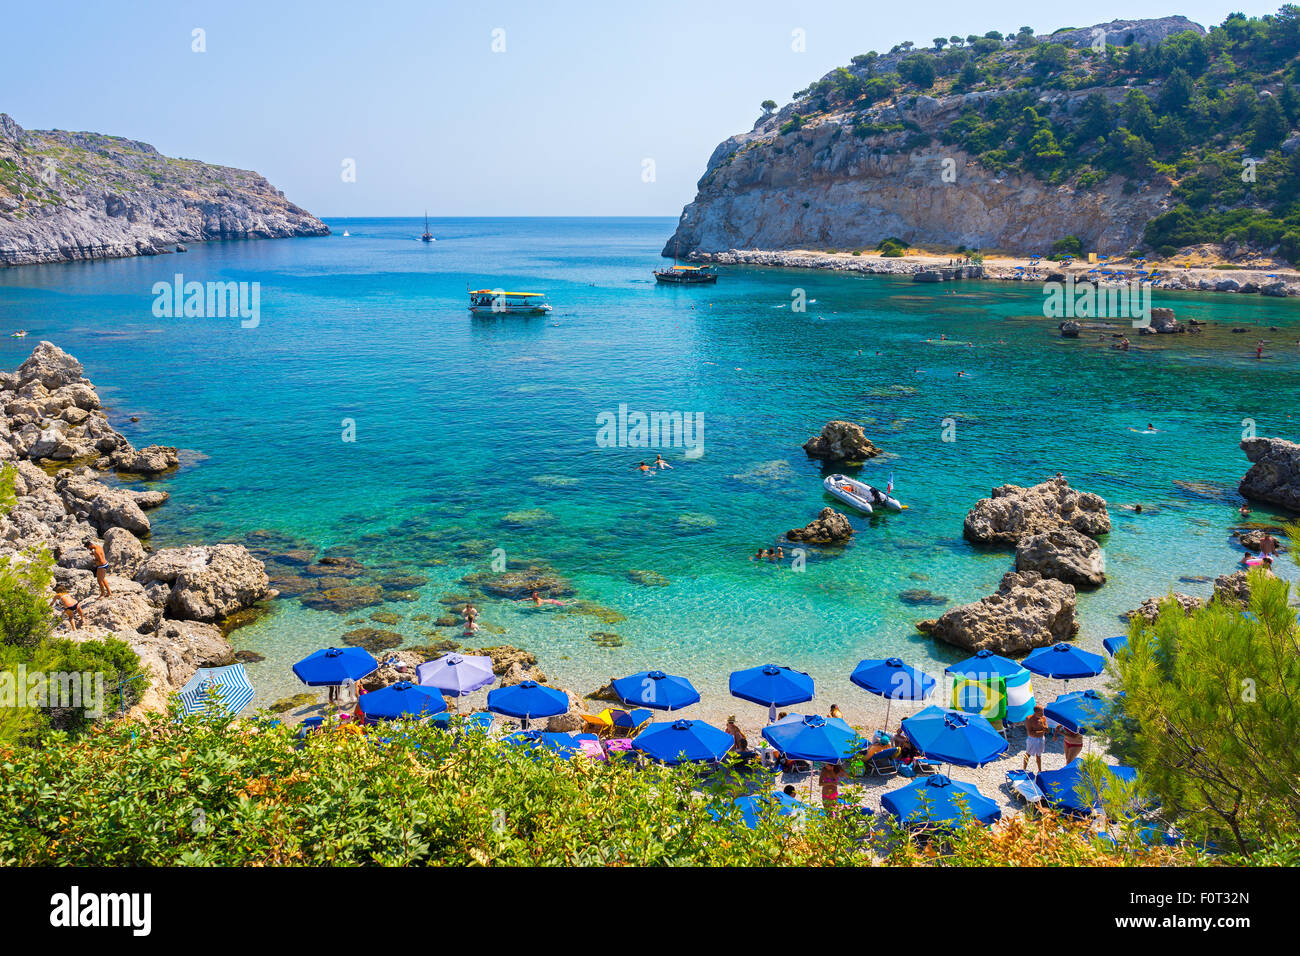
558	124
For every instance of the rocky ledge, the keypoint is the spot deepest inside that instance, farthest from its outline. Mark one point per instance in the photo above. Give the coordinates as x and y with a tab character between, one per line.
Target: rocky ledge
1274	475
1233	589
829	527
68	196
166	604
1028	611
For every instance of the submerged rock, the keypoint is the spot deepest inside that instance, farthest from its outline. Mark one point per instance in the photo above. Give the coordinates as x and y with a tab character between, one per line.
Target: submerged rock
341	600
519	584
829	527
918	597
1028	611
841	441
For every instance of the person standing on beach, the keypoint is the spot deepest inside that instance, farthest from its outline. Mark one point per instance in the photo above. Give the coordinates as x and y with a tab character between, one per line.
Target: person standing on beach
829	777
1073	743
101	567
1035	737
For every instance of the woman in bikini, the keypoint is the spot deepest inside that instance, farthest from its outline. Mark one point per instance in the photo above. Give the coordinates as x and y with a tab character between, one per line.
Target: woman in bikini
71	609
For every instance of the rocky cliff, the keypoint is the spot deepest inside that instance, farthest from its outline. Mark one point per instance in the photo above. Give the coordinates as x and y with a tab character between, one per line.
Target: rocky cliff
166	604
68	196
834	170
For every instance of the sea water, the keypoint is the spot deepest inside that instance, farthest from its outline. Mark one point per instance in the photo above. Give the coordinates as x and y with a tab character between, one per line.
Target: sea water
367	411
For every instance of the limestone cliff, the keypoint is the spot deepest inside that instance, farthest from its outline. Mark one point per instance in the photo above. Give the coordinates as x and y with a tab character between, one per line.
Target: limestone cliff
68	196
837	175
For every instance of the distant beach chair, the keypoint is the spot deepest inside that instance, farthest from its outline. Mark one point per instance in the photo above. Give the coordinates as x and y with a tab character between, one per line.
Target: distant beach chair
883	764
630	722
1024	787
602	724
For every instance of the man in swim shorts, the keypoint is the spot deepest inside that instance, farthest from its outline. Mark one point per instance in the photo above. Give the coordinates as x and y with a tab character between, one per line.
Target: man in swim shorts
1035	737
101	567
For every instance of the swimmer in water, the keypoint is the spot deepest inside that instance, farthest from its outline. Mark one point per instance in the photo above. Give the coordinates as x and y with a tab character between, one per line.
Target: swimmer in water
643	467
960	374
660	463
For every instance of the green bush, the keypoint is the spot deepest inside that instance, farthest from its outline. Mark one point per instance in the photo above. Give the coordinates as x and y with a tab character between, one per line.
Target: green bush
202	792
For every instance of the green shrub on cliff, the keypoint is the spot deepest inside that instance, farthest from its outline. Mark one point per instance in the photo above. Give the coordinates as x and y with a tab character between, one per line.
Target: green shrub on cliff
29	652
216	793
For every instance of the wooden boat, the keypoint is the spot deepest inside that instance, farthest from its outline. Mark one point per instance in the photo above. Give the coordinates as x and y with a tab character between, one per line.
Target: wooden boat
501	302
687	275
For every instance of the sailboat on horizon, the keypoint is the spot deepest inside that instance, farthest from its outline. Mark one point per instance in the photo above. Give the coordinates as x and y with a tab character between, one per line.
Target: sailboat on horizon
428	236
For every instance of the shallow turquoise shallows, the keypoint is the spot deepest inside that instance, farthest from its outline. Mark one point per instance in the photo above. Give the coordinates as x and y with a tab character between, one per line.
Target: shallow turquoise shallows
461	421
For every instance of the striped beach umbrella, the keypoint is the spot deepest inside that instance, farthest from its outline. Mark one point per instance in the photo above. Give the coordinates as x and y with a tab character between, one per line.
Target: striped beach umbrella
992	686
212	688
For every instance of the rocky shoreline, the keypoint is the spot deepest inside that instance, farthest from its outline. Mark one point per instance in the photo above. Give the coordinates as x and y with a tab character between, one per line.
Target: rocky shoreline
76	196
69	464
936	268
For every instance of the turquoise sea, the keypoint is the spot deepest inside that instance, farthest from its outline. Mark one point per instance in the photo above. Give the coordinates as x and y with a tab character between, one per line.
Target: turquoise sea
461	421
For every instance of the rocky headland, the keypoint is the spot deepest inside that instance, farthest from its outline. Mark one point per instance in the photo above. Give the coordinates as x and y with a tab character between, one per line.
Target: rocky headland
893	149
69	196
69	467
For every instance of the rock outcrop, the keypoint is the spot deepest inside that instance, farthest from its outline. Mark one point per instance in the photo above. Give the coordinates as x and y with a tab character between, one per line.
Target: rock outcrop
1231	588
165	605
1274	475
829	527
1012	513
1028	611
841	441
68	196
1064	554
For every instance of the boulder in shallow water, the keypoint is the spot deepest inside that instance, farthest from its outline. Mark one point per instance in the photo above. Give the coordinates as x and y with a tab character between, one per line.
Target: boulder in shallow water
841	441
1028	611
207	582
1064	554
150	460
829	527
1274	475
1012	512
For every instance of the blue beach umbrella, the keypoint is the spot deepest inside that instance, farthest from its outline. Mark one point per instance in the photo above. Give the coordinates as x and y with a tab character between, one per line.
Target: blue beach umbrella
1064	662
656	690
1082	712
526	700
814	738
481	721
1114	645
966	740
402	699
682	741
938	801
771	685
1063	787
752	805
335	665
231	686
892	680
456	675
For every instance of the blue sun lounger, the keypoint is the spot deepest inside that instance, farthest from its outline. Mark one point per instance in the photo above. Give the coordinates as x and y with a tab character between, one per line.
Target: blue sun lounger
1023	786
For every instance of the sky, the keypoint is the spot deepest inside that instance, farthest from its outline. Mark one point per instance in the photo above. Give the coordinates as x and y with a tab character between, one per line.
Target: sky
526	108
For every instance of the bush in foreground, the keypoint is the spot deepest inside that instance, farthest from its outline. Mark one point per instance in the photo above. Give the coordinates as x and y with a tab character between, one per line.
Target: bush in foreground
162	792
